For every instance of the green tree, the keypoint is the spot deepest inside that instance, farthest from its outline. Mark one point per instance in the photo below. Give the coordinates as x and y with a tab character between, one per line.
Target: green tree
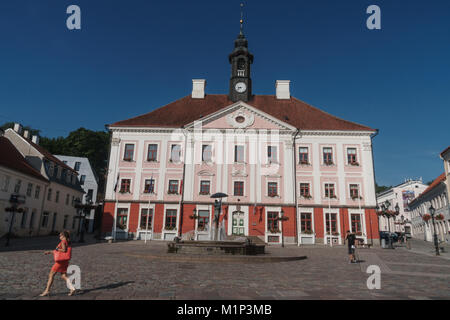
379	189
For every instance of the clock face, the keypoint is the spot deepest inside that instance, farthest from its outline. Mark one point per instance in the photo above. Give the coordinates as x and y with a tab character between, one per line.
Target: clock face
241	87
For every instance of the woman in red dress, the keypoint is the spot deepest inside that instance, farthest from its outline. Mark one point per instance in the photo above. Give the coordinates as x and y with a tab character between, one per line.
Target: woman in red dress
60	267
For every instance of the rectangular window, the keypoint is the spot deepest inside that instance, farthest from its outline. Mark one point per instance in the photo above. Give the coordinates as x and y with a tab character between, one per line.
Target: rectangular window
173	186
206	153
272	154
57	172
33	214
171	219
77	166
57	197
356	223
328	156
351	156
122	218
49	195
74	220
149	186
67	199
175	153
331	217
17	186
272	189
272	222
305	190
354	191
304	156
23	222
238	189
306	222
125	186
129	152
239	154
66	218
144	216
29	189
5	183
82	179
203	221
205	187
152	155
44	220
36	192
329	190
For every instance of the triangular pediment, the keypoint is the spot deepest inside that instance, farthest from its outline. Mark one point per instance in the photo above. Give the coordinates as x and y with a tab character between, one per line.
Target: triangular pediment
241	115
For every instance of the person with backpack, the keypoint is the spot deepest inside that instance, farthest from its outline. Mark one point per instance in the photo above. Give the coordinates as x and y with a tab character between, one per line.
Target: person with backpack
62	255
351	238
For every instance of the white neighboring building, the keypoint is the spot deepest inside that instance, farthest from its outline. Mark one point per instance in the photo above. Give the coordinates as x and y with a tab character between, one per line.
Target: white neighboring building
88	181
58	211
402	195
17	177
435	195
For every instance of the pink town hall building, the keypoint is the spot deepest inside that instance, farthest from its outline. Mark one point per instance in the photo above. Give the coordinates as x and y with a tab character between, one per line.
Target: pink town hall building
273	155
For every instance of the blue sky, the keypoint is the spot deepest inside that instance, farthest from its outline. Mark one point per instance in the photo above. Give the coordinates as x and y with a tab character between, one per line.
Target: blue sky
131	57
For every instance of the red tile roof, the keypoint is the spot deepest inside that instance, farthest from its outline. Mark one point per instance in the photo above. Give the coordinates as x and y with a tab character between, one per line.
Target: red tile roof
433	185
187	110
13	159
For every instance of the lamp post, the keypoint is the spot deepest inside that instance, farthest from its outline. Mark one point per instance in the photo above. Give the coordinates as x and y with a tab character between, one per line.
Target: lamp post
386	213
217	211
281	219
82	211
436	244
14	200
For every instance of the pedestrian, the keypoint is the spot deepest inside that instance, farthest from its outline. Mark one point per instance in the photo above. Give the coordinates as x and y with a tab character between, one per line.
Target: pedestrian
60	266
351	238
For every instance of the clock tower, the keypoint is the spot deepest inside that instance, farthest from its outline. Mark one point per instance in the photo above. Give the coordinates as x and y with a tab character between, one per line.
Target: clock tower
240	60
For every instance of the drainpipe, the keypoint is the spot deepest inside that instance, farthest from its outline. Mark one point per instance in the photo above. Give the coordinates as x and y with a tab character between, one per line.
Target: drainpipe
374	186
295	188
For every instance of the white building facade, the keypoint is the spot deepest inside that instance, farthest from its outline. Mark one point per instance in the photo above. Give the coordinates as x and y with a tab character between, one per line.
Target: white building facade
400	195
88	181
57	212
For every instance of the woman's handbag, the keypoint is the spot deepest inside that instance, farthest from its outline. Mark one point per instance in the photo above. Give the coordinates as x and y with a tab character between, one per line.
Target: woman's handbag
62	256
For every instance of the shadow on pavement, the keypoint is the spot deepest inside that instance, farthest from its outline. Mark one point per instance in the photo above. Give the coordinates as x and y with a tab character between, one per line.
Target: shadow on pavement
107	287
43	243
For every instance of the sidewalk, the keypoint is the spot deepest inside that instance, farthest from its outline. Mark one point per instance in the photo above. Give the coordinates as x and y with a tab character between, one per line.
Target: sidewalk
426	248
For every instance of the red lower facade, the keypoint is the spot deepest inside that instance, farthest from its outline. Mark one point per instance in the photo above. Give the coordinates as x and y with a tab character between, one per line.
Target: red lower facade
188	222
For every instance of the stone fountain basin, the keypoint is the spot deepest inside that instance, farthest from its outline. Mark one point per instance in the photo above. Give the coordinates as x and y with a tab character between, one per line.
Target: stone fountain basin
216	248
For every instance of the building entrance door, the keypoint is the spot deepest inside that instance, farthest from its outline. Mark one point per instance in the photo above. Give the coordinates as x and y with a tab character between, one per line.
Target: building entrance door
238	223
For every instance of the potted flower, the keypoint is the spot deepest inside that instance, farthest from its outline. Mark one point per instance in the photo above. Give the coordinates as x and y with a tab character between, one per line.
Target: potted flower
335	233
359	233
354	163
440	217
274	231
308	232
170	228
426	217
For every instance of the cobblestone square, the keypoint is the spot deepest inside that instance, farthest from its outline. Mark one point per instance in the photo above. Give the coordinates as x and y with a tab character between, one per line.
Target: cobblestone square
135	270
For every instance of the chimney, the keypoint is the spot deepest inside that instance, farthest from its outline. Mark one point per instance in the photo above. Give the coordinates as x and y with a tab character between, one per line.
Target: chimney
35	139
198	88
283	89
26	134
18	128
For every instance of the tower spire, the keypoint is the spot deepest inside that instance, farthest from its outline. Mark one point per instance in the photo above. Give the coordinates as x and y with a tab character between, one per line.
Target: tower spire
242	19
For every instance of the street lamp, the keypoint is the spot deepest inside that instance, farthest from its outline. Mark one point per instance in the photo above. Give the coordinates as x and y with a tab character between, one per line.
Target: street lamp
15	200
281	219
436	244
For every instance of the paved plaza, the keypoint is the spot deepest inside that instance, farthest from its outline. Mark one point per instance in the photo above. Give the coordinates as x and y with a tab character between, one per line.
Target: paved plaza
135	270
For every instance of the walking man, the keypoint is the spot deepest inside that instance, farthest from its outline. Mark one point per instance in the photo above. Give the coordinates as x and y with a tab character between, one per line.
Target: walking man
351	237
